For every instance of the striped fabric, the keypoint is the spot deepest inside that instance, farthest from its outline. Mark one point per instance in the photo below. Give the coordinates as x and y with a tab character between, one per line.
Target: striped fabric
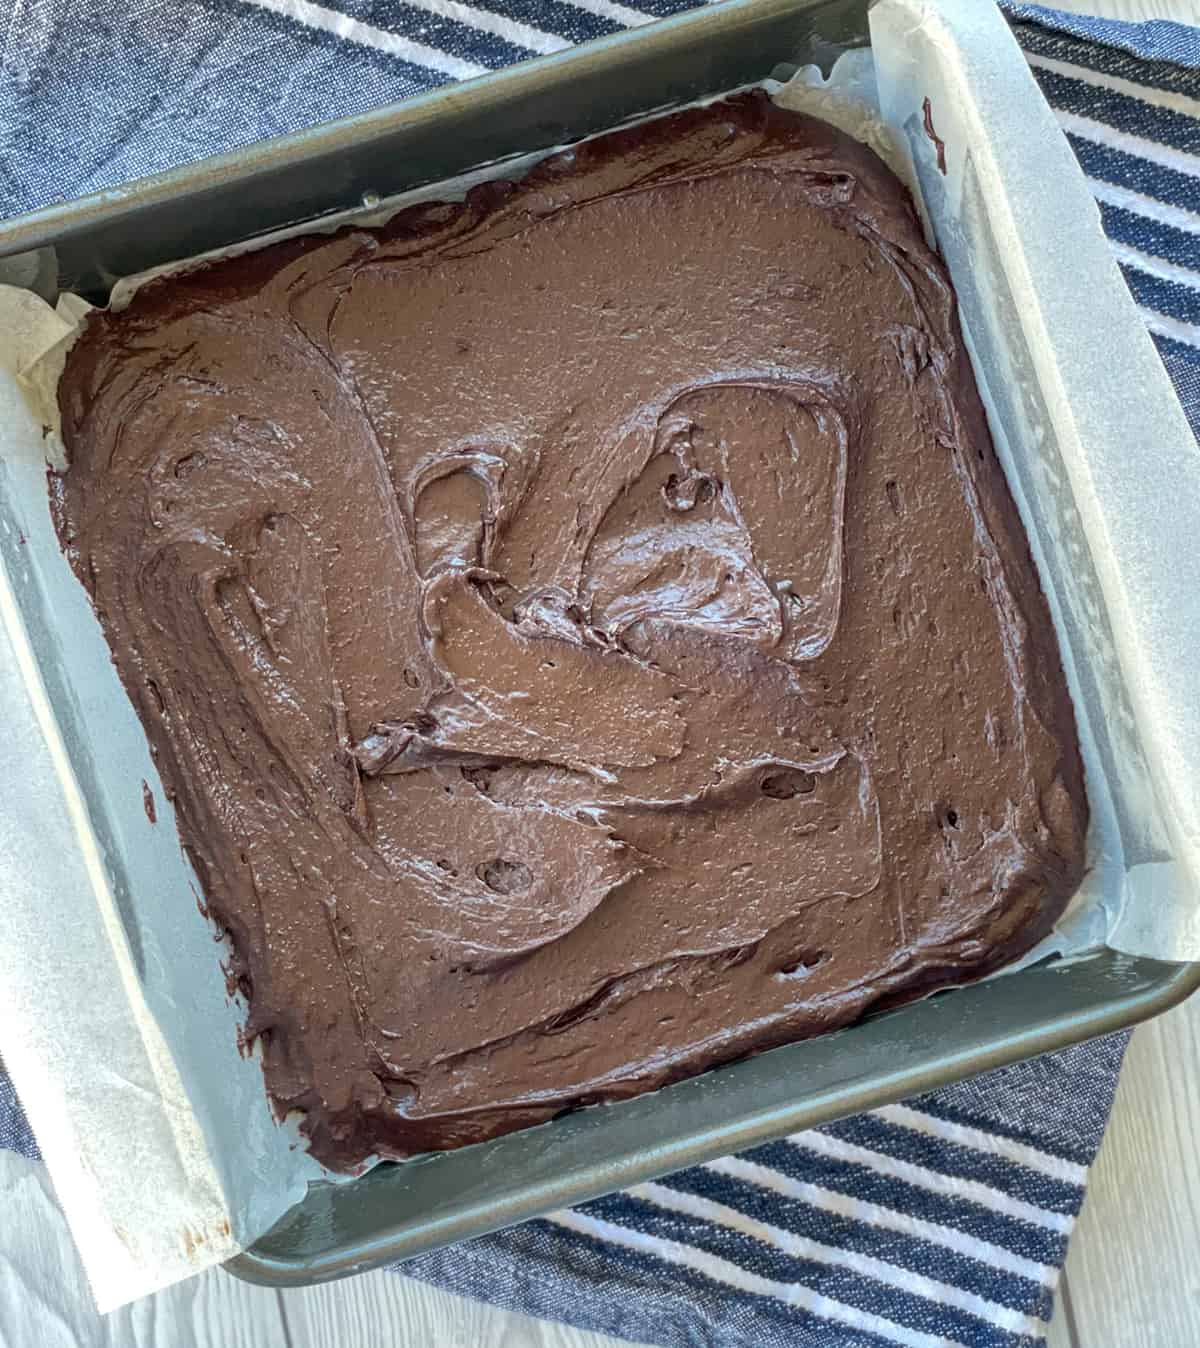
1134	125
943	1221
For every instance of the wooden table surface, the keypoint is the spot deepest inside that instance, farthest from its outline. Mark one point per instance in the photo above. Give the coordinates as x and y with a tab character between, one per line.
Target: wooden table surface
1132	1277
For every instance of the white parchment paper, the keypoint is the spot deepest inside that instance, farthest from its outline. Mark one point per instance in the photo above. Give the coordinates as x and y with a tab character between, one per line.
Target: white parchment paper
118	1028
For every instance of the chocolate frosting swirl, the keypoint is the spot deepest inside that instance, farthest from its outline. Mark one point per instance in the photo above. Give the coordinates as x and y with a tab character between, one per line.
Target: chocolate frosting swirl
584	629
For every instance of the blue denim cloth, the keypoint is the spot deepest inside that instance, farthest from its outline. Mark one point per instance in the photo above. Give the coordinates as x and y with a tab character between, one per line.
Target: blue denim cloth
1157	40
14	1131
943	1220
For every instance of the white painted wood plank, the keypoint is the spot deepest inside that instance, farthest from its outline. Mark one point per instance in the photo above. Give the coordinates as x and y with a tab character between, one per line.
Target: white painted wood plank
380	1309
44	1298
212	1311
1060	1334
1062	1328
1134	1265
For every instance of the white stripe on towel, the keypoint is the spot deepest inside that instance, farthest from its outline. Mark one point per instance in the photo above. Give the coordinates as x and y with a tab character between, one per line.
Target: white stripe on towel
885	1218
1154	266
1178	217
733	1275
366	35
607	9
1167	326
1138	146
1032	1158
1162	98
486	21
933	1181
833	1256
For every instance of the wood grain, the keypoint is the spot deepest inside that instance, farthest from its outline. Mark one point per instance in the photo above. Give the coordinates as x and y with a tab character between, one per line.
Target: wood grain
1134	1265
45	1303
386	1308
1062	1326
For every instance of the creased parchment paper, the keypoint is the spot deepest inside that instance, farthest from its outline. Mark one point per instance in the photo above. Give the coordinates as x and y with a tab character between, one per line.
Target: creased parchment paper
118	1029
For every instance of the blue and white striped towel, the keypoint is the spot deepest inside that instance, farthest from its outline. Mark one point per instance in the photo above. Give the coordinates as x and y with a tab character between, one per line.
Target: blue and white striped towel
940	1222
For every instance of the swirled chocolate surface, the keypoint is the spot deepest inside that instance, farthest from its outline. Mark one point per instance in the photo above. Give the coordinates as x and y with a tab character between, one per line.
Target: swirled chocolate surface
584	630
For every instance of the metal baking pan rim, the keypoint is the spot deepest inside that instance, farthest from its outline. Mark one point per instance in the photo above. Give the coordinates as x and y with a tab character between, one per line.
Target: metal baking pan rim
1076	1000
186	192
1085	998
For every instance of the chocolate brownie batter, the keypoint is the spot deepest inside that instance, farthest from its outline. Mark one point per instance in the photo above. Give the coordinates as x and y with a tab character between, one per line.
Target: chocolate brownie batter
584	630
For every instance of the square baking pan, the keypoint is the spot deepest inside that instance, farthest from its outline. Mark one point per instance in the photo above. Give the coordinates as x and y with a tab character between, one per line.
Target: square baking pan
396	1211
